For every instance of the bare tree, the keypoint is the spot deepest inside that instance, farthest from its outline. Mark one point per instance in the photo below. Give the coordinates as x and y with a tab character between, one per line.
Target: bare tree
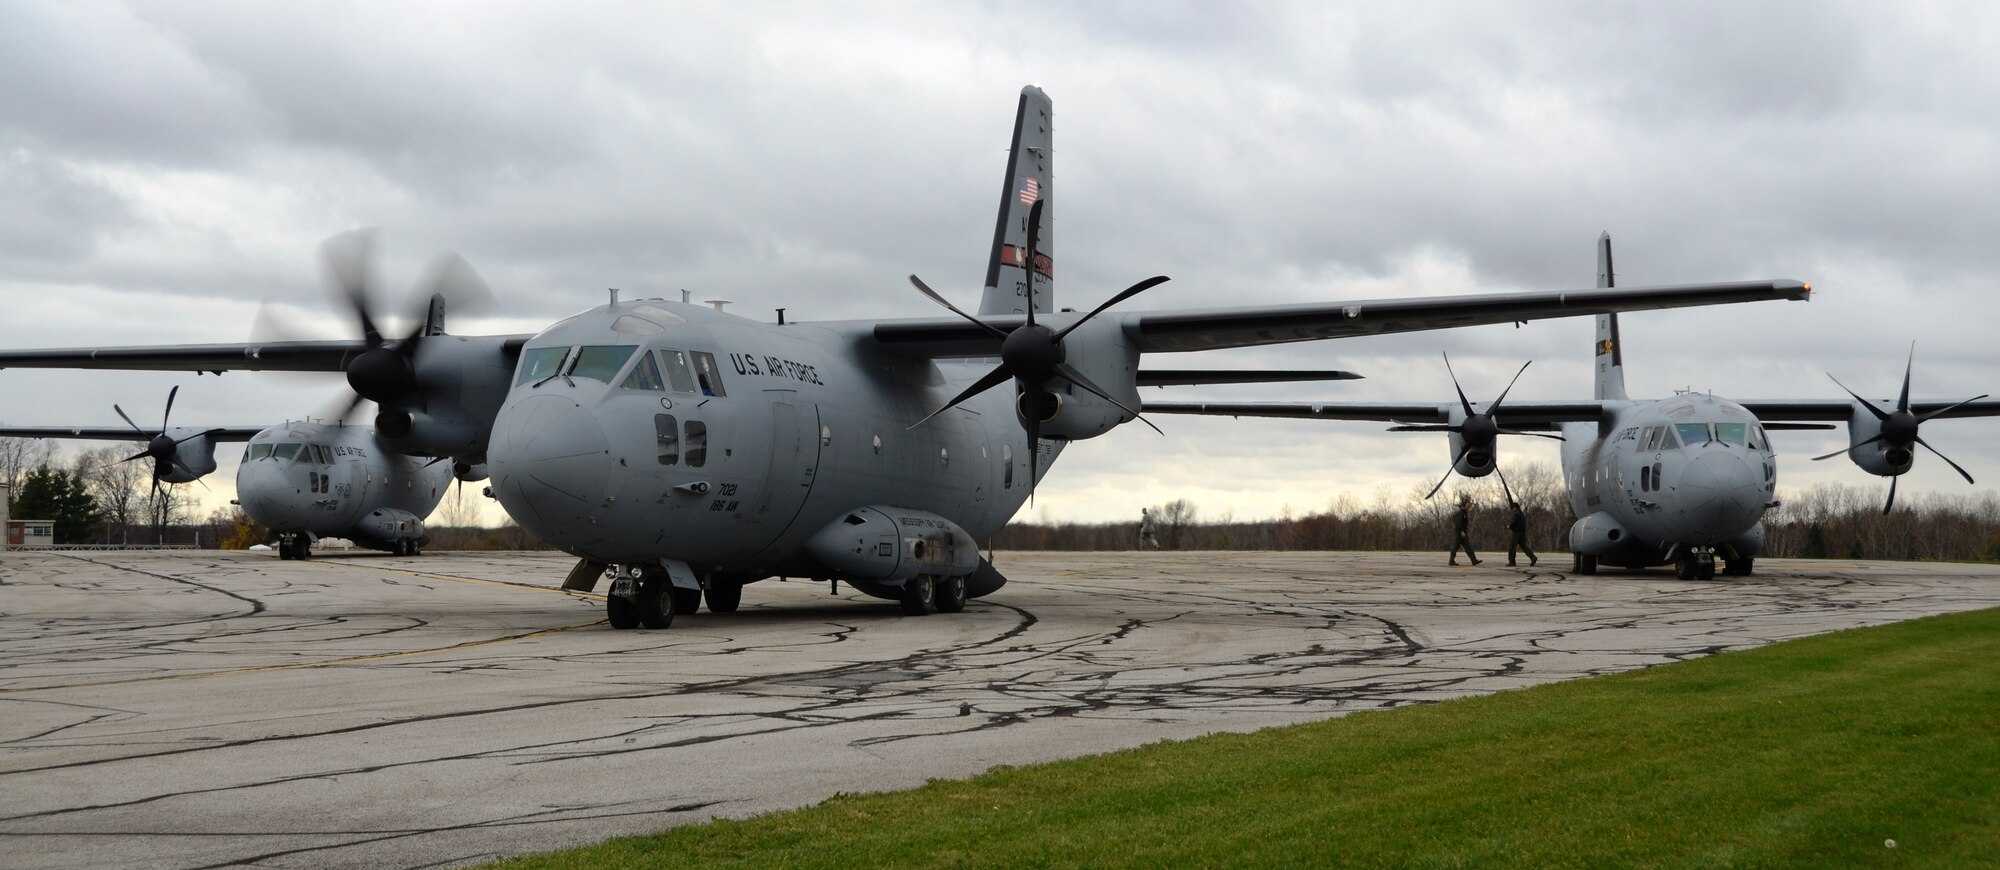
119	487
1175	517
18	456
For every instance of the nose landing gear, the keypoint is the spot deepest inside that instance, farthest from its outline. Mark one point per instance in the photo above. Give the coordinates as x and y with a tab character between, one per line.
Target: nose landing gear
1695	563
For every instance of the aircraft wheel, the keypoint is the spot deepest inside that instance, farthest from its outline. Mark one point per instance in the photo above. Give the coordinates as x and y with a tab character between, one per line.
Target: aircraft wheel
656	605
724	596
1686	568
1583	563
303	551
1705	568
951	594
284	551
919	596
1739	567
623	612
685	600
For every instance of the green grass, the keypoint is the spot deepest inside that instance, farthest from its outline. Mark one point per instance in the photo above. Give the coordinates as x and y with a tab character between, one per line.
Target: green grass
1809	753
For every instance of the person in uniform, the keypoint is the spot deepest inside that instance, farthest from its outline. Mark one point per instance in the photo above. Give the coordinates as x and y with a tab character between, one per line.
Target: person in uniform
1462	531
1149	532
1517	535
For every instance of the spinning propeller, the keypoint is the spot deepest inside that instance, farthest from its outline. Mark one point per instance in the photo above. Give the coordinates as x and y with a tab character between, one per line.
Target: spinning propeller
1032	355
163	448
1479	432
1899	430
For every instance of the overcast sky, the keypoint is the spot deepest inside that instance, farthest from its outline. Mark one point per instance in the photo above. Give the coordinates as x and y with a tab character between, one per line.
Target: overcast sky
165	169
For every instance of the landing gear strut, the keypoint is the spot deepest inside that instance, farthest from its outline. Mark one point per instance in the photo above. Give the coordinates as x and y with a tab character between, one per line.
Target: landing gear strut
294	547
1695	563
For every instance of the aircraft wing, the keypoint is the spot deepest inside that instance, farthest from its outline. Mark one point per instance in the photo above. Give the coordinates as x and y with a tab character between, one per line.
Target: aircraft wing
86	433
331	355
1218	328
1513	415
1813	410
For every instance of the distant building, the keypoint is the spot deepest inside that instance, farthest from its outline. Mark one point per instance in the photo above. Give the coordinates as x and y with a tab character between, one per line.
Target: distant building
30	533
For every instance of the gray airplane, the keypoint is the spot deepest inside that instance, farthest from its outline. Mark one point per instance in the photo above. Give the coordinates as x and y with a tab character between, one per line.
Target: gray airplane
303	481
1677	481
685	452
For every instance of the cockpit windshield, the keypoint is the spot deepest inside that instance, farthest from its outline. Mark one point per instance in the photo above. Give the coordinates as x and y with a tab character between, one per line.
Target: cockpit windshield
600	362
1731	433
1694	434
539	363
285	451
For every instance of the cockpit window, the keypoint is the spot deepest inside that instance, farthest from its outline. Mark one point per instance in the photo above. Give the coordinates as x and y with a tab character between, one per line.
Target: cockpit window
1757	439
1694	434
678	371
257	451
540	363
645	375
707	375
1730	433
285	451
600	362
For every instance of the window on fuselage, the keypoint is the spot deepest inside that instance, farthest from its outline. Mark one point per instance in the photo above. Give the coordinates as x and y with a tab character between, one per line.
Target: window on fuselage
286	451
666	438
256	451
1693	434
645	375
697	444
1645	478
600	362
1731	433
1757	437
539	363
707	375
679	374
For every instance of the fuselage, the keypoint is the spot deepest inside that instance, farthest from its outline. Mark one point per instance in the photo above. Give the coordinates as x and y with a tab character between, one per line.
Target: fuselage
329	480
1690	471
652	430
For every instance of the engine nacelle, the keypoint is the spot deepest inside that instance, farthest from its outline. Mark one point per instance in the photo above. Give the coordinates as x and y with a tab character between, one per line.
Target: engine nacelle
196	457
1880	458
470	472
1598	534
1098	350
1474	457
891	544
461	382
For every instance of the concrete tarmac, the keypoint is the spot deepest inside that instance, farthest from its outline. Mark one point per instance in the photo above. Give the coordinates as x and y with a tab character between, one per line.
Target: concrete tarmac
194	709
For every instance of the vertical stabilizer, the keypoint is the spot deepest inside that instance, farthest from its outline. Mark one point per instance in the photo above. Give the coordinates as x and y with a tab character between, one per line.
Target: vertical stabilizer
1028	179
1610	356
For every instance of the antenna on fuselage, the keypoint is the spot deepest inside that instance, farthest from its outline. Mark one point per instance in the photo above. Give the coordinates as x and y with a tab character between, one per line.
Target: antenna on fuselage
687	297
718	303
614	296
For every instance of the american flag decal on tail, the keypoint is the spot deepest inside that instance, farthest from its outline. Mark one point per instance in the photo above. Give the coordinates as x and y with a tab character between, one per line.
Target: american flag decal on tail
1031	190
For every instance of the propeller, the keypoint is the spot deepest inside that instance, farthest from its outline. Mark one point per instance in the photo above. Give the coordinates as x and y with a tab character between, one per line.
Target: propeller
1479	431
385	371
163	448
1032	355
1899	429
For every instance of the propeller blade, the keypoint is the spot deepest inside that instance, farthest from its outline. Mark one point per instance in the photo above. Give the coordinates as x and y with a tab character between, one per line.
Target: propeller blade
199	435
1533	434
1946	410
1129	292
128	421
136	456
347	257
1891	503
1947	459
933	294
1845	449
1422	427
1495	407
169	414
1462	400
1447	475
1503	483
1034	248
452	278
1878	412
992	379
1077	378
1034	456
1903	399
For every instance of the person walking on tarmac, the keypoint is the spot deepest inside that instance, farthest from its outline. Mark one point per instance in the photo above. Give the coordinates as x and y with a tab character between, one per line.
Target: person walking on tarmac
1462	531
1149	532
1517	531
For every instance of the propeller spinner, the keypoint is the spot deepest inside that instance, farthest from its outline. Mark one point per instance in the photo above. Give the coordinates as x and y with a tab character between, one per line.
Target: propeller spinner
1478	432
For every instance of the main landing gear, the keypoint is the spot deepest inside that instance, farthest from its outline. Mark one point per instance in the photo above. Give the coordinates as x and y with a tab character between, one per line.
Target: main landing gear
925	594
1582	563
294	547
645	596
1695	563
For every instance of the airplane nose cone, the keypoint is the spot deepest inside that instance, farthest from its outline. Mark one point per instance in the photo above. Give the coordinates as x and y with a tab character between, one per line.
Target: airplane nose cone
549	461
1723	495
266	495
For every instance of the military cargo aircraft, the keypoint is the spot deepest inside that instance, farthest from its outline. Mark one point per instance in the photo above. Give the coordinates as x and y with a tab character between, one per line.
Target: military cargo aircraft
685	452
1674	481
304	481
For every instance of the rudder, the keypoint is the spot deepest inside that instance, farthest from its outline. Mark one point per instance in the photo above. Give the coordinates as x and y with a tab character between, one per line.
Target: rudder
1029	179
1610	356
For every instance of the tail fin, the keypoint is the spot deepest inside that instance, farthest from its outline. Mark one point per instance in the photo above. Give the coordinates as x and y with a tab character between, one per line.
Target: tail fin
1610	356
1028	179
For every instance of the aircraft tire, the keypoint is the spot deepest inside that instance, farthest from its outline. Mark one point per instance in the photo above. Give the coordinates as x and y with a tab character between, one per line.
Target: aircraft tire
622	612
919	596
656	605
685	600
284	551
1739	567
1583	563
1686	568
1705	569
951	594
724	596
303	551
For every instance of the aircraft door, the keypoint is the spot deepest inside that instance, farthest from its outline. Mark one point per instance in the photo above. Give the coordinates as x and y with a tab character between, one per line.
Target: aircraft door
794	462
